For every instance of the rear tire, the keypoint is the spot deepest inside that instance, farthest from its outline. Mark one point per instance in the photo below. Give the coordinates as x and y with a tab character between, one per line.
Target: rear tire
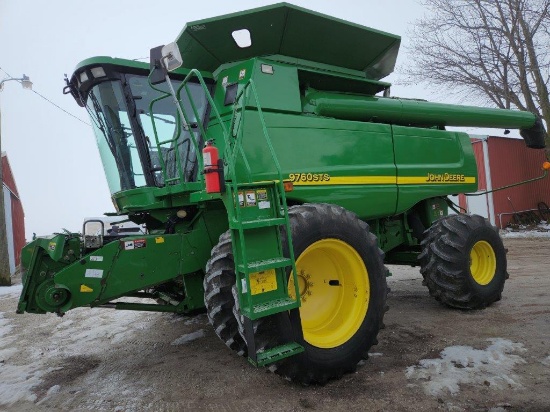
463	262
343	288
218	298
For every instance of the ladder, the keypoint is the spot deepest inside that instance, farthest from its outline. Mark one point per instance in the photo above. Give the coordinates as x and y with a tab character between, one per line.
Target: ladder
257	211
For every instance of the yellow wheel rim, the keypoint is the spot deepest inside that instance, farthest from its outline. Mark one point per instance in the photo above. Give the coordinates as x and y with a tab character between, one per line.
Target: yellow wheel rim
483	262
334	290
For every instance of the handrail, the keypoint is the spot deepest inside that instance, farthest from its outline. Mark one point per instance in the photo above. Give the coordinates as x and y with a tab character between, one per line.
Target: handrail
174	139
183	120
250	85
544	174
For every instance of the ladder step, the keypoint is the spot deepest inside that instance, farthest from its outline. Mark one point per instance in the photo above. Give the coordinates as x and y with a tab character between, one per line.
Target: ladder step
253	224
277	353
271	307
261	265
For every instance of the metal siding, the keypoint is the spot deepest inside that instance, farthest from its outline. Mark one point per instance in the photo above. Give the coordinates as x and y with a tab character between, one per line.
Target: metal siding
18	222
477	145
511	162
7	175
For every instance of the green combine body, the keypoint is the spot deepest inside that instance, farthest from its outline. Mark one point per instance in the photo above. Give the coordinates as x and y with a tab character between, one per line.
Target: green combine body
321	180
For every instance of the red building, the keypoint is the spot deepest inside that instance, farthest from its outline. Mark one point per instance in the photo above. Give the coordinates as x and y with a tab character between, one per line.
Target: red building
15	217
504	161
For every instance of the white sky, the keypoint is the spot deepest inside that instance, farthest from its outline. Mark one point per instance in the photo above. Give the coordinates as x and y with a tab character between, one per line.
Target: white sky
53	156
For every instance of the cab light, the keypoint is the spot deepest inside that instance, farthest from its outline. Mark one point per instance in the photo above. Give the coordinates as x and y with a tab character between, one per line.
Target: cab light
83	77
98	72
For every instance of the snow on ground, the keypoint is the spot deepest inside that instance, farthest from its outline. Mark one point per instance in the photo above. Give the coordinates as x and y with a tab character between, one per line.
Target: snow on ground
29	356
10	290
81	331
541	230
189	337
458	365
15	381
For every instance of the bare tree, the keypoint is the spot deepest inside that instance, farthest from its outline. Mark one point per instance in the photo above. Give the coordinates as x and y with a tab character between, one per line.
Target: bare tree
497	50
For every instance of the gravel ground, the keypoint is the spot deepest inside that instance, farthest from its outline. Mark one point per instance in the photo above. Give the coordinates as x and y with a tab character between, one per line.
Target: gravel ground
428	358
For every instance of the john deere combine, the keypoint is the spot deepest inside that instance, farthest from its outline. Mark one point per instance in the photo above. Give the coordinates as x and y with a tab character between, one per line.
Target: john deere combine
275	176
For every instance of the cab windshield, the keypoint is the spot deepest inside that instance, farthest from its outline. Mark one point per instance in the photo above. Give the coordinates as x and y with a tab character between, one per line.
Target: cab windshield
125	132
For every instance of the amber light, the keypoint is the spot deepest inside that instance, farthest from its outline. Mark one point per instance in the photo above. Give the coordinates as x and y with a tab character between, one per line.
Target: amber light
546	165
289	186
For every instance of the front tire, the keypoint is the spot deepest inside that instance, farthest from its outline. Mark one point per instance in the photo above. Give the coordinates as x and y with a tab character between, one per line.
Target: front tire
218	298
342	283
463	262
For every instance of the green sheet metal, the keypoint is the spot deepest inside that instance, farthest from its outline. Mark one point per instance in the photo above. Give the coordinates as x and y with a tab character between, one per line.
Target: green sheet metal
284	29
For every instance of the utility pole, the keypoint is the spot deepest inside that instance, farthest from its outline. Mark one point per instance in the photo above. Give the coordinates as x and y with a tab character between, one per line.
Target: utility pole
5	274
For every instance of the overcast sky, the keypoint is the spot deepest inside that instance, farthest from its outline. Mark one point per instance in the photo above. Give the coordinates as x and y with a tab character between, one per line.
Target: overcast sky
53	156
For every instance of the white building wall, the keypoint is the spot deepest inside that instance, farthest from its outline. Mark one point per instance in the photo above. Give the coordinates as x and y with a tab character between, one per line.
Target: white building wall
9	228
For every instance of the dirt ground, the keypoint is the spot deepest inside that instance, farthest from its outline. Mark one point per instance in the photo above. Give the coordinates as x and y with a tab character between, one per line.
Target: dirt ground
428	357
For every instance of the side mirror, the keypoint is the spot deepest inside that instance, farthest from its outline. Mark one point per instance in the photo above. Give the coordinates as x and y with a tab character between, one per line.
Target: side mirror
158	71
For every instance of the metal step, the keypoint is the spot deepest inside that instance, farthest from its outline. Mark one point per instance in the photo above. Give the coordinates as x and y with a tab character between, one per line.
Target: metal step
260	265
260	310
277	353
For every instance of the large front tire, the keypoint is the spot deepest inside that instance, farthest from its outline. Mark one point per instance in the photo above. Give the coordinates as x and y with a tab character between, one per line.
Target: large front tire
342	283
218	298
463	262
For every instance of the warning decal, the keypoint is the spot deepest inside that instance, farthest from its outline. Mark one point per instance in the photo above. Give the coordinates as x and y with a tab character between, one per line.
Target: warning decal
251	198
134	244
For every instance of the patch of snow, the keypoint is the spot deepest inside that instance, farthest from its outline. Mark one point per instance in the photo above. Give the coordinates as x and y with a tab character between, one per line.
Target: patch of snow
53	389
182	340
541	230
16	381
375	354
458	365
11	290
7	348
101	325
195	320
546	361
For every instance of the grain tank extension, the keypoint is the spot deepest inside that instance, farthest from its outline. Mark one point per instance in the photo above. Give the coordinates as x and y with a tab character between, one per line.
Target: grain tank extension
320	182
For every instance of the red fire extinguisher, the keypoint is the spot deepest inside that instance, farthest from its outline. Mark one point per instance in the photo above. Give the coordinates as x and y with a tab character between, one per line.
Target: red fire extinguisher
213	168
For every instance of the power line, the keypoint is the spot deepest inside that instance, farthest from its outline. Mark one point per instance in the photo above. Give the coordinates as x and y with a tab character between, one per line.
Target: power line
52	103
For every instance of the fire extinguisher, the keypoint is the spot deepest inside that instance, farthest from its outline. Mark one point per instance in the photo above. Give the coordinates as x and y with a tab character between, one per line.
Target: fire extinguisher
213	168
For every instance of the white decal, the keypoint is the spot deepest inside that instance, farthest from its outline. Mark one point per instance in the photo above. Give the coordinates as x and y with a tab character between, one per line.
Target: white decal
94	273
243	286
129	245
96	258
264	204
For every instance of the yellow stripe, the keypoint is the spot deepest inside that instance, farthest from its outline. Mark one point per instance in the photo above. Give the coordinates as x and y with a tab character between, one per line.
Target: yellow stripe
417	180
350	180
380	180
